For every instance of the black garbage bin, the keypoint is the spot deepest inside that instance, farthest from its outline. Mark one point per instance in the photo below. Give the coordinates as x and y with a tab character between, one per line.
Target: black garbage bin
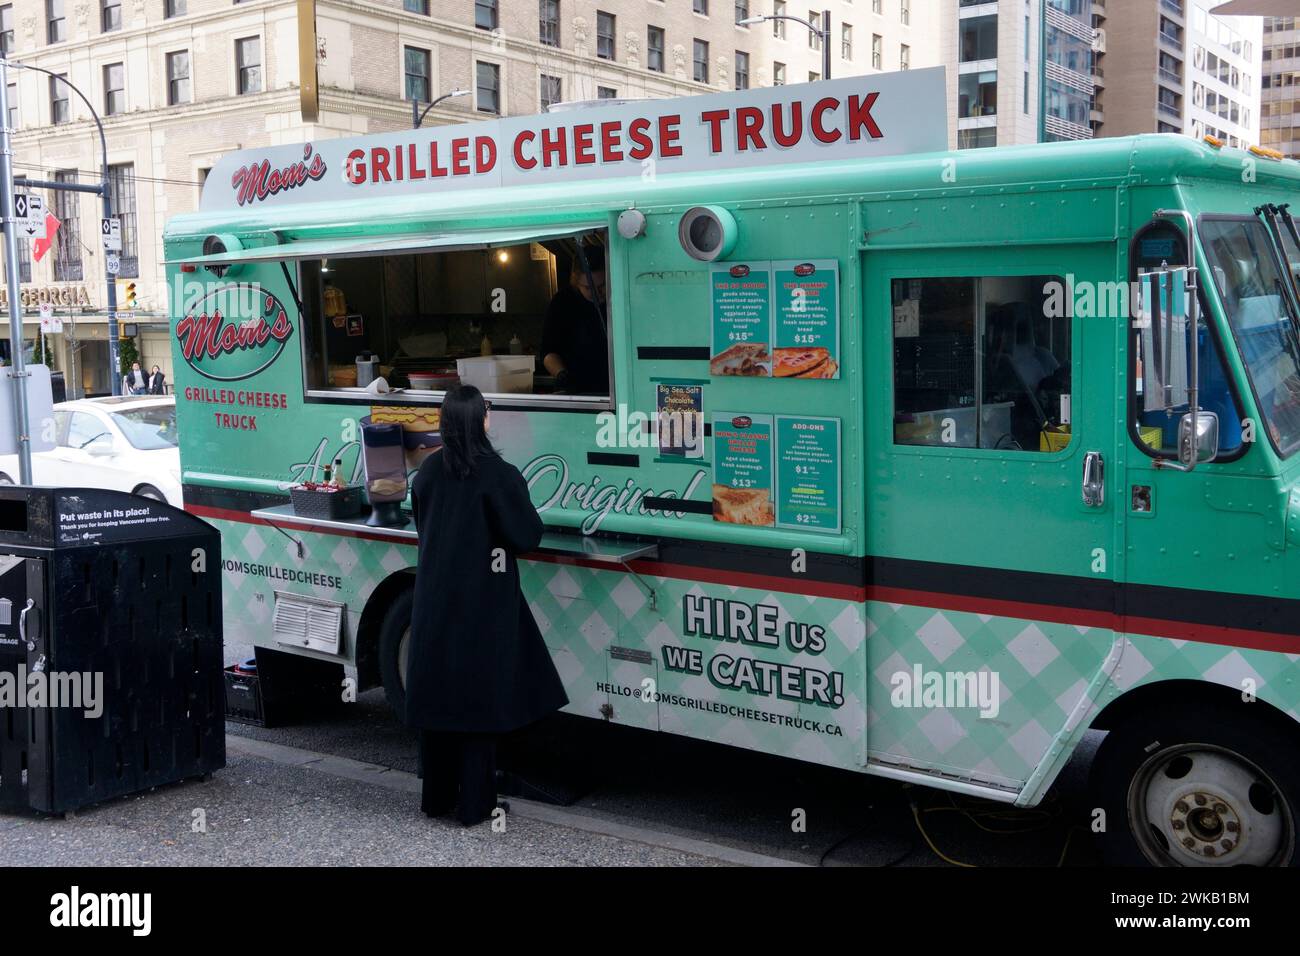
108	587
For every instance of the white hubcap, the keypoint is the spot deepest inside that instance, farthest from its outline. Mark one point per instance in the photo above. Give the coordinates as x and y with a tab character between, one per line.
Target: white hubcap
1200	805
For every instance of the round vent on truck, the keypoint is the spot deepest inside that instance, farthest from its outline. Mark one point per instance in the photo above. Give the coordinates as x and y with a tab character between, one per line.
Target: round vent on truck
215	245
707	233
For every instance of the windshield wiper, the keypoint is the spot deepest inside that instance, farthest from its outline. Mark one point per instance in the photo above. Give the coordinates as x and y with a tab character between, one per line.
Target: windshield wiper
1291	295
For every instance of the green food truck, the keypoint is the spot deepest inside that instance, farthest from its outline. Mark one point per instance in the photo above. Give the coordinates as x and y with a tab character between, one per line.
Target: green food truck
852	449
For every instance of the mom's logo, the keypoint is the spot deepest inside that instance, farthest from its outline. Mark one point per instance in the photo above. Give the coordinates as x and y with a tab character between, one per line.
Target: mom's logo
233	332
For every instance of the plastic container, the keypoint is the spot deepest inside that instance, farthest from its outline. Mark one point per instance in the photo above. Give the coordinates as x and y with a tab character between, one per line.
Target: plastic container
367	368
497	373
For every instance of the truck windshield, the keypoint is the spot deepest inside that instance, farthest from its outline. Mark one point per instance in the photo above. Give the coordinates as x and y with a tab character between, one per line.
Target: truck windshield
1254	295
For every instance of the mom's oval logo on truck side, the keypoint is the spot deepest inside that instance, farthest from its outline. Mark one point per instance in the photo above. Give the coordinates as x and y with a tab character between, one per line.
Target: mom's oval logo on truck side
741	421
233	332
804	269
739	272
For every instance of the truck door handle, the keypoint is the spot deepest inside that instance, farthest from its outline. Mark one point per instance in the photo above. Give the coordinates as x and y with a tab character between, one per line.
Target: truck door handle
1094	479
22	626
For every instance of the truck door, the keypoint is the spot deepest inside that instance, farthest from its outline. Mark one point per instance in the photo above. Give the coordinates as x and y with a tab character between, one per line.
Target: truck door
991	513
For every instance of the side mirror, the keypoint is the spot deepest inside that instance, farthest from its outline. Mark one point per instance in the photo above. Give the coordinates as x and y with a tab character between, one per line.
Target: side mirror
101	448
1198	438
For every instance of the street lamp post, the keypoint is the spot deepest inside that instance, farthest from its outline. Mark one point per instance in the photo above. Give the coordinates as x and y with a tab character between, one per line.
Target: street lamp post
6	182
823	33
417	117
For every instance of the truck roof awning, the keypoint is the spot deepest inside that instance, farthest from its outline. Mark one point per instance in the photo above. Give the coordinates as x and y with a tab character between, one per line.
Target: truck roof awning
296	249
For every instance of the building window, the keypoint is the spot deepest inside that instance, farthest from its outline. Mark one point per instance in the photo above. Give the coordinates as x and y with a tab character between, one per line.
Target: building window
905	11
487	82
742	70
248	64
846	41
701	61
178	77
417	63
416	6
606	93
604	35
960	378
114	89
778	74
57	27
67	244
59	103
742	10
701	7
6	29
977	138
814	38
552	91
904	57
977	94
121	193
173	8
24	261
654	49
878	6
110	15
978	39
485	14
13	105
813	76
549	22
778	26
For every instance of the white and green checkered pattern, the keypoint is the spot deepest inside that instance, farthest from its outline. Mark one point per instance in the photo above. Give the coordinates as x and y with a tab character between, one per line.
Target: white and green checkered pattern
1045	671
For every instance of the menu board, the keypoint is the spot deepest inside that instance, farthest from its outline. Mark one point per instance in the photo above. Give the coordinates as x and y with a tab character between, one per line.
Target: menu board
741	307
776	319
742	468
679	408
806	335
808	473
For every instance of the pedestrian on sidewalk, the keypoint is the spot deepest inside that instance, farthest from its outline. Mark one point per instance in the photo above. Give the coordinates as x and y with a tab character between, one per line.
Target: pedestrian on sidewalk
477	666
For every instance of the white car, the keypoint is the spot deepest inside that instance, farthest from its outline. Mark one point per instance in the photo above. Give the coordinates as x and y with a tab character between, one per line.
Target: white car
123	443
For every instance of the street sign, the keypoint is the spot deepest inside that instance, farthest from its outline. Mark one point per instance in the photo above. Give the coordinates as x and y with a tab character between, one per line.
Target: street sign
114	263
49	323
29	215
111	230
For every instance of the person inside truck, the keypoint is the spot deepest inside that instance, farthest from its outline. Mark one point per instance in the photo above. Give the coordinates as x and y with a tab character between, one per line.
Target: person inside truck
1024	372
575	345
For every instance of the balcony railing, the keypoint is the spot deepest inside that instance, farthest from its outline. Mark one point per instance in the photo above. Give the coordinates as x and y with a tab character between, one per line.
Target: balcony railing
1170	76
1169	110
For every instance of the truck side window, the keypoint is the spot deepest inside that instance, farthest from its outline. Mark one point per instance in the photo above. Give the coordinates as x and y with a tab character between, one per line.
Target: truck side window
982	362
1163	243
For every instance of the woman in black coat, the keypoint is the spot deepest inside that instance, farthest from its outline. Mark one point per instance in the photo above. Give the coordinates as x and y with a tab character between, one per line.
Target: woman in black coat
477	665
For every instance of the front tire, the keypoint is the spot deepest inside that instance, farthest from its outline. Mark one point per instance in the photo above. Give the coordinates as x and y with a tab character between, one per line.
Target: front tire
1205	786
394	641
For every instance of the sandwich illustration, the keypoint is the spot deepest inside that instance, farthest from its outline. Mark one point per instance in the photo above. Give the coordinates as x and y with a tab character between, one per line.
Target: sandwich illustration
803	363
751	506
743	358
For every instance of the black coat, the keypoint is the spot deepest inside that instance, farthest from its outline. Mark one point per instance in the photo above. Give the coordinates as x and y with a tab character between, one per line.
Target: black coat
477	662
157	384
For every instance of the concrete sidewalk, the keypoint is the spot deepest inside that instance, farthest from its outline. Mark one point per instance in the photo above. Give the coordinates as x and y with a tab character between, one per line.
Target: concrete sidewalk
275	805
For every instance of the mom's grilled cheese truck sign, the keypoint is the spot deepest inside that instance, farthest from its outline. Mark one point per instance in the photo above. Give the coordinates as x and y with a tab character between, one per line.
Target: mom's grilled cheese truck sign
860	117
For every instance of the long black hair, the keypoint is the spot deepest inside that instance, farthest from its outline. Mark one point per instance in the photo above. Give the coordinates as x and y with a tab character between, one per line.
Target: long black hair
464	439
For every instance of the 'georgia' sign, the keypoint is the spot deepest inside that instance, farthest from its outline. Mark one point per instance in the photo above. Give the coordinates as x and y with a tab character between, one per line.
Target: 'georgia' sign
860	117
232	332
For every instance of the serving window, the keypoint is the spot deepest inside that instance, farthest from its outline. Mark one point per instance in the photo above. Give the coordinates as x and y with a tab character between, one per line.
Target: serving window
524	321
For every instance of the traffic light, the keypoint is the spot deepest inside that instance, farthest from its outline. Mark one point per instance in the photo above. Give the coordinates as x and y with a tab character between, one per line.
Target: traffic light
126	298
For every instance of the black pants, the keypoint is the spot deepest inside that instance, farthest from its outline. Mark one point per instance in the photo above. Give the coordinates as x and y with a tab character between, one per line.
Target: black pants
460	775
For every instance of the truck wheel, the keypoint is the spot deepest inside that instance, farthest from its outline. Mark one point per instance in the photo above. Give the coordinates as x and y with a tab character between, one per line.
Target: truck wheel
1204	787
394	637
149	491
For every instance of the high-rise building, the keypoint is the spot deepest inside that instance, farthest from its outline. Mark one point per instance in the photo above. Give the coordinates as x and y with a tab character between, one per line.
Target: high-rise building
1183	70
1280	94
180	82
1019	71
